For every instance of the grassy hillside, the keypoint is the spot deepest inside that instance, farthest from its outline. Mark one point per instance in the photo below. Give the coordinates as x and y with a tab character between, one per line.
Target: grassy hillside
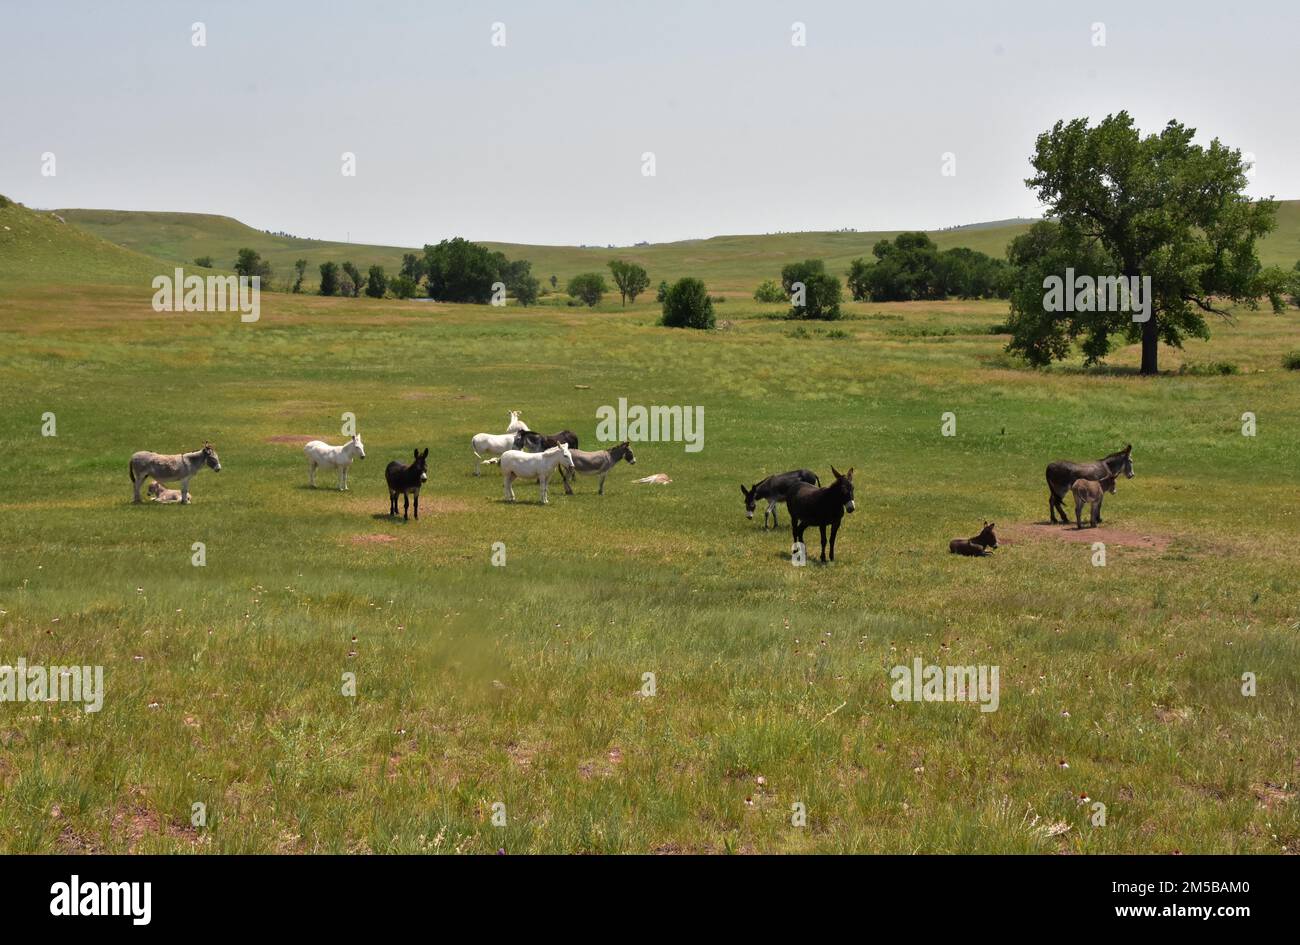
728	264
38	247
734	264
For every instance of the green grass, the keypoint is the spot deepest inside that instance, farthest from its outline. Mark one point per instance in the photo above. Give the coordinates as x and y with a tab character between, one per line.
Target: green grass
520	684
732	265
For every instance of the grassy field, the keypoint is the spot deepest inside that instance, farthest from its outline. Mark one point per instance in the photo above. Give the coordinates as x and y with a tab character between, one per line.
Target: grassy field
521	685
730	265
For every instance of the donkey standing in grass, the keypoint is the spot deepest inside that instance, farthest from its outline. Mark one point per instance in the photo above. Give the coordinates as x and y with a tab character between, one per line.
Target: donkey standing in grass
1090	491
516	464
176	467
487	446
809	505
598	463
1062	474
535	442
319	453
774	489
405	479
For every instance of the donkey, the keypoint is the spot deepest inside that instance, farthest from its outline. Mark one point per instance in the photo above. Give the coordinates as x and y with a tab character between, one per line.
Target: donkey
976	547
534	442
1091	491
489	445
809	505
160	493
320	453
774	489
598	463
176	467
516	464
1062	473
405	479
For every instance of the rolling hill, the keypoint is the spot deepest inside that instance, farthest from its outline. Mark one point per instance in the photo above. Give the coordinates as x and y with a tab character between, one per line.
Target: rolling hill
729	264
39	247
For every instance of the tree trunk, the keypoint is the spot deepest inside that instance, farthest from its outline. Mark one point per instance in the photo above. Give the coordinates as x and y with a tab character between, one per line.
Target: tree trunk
1150	346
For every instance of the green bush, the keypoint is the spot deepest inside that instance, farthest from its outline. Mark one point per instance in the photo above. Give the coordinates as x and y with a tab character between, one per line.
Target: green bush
1209	368
404	287
821	291
687	305
587	287
1292	361
769	291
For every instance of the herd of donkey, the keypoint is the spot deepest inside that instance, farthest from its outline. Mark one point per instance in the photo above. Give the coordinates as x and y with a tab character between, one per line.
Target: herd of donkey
524	454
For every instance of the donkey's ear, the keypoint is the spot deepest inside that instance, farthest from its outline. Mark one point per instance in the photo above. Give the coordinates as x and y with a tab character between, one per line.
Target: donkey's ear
426	453
1128	449
850	473
992	525
417	454
835	473
744	491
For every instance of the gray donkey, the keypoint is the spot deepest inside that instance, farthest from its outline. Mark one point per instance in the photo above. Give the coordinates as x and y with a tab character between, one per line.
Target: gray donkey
178	467
597	463
1062	474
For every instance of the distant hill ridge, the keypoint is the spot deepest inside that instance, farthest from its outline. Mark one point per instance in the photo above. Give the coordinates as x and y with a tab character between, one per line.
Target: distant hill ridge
120	244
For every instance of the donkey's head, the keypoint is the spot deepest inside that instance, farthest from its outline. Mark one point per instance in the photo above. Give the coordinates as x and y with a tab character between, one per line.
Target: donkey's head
1121	462
626	447
1108	484
986	537
751	500
843	485
421	465
566	458
528	440
357	445
210	457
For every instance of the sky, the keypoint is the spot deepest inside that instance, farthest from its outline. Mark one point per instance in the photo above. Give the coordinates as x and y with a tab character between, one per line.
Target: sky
541	139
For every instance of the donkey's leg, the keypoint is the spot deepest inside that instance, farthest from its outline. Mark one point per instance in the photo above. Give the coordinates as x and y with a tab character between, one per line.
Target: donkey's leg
1097	511
392	502
185	492
509	479
139	481
311	473
417	505
478	464
1051	504
406	506
835	529
569	477
542	481
822	529
343	478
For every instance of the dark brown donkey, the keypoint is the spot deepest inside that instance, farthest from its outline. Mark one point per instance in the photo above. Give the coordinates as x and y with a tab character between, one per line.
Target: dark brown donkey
534	442
1062	473
809	505
405	479
977	547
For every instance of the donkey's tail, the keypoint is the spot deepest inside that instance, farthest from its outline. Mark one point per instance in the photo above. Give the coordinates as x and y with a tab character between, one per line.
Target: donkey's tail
130	469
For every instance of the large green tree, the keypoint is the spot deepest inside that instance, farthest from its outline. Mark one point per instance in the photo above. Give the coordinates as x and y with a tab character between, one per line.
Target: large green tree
631	279
1157	206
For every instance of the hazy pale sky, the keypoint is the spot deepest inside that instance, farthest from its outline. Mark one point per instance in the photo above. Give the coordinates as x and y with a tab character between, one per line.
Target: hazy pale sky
541	140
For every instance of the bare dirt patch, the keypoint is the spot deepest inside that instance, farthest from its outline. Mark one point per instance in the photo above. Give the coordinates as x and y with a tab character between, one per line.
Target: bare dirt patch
295	438
372	539
1123	537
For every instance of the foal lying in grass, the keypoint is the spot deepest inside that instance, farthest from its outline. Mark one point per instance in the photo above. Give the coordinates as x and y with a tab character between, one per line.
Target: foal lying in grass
976	547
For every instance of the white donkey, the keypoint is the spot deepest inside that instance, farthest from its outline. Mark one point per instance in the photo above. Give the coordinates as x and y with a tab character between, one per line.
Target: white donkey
176	467
488	445
516	464
319	453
